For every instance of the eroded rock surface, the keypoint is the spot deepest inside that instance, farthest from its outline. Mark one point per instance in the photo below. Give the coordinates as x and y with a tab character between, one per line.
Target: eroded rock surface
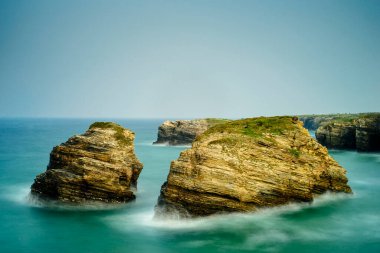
99	165
248	164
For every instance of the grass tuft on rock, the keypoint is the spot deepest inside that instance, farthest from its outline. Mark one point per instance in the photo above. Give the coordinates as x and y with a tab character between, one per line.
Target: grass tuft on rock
295	152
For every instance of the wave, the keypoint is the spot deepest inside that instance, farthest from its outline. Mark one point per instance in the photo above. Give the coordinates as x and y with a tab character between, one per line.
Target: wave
20	194
166	144
267	228
222	220
160	145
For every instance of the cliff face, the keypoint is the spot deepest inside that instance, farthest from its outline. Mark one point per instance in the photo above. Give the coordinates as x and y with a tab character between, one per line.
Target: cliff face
183	132
337	135
368	133
247	164
362	133
99	165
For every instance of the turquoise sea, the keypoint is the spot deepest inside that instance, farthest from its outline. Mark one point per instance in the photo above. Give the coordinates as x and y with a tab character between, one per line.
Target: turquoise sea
333	223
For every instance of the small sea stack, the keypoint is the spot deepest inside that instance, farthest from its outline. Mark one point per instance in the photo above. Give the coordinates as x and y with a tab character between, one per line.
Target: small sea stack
99	165
184	132
244	165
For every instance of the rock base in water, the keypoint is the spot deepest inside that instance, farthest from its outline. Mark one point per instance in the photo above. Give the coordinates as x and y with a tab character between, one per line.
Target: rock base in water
248	164
99	165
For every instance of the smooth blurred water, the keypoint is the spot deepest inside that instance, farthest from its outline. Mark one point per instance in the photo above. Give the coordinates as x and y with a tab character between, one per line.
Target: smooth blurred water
333	223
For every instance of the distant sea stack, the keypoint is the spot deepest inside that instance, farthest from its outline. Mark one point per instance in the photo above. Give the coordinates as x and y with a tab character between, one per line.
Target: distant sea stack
312	122
361	133
184	132
244	165
99	165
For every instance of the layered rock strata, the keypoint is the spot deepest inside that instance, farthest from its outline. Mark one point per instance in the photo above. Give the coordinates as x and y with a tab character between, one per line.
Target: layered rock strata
244	165
99	165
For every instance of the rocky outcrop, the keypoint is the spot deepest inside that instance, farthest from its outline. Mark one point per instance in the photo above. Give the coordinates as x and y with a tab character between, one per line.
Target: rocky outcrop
248	164
361	133
183	132
99	165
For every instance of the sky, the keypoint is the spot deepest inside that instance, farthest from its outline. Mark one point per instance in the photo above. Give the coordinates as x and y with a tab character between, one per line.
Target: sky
188	59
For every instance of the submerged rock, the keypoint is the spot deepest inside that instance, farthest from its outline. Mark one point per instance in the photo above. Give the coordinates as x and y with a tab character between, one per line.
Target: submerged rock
99	165
248	164
184	132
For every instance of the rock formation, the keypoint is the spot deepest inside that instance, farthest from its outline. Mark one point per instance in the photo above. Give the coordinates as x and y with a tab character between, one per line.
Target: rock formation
337	135
312	122
248	164
183	132
361	133
368	133
99	165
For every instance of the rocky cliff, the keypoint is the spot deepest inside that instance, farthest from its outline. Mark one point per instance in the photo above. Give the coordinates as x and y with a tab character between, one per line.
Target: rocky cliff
99	165
337	135
361	133
183	132
248	164
368	133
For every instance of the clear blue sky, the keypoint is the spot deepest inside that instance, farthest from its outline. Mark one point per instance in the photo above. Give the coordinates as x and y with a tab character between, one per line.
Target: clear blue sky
188	59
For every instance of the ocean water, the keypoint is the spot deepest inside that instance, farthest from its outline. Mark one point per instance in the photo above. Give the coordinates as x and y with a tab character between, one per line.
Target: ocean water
332	223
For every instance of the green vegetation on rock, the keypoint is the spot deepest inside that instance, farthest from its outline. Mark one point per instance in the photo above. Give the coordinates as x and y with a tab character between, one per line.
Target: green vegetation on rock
119	131
254	127
295	152
215	121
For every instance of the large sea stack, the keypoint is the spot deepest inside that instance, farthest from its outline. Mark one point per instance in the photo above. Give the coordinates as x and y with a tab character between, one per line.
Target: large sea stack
244	165
99	165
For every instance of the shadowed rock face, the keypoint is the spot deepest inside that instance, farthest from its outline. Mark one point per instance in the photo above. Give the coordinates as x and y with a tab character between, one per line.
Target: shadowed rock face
362	134
248	164
99	165
337	135
368	133
183	132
